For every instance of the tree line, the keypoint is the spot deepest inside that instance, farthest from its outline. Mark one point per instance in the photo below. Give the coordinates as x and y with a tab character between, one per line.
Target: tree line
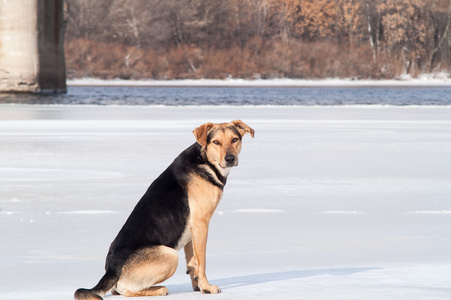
257	38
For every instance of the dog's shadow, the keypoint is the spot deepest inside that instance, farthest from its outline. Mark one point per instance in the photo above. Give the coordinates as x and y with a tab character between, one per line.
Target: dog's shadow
238	281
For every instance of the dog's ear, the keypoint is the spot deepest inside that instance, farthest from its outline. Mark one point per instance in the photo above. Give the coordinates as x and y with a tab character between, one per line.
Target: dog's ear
201	133
243	128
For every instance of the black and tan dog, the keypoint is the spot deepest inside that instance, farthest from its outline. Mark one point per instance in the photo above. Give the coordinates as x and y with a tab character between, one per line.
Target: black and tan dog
174	213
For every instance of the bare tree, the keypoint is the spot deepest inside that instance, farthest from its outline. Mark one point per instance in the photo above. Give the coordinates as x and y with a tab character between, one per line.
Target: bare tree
439	37
87	18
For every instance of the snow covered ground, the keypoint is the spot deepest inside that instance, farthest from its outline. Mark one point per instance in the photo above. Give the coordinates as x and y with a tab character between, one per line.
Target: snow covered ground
327	202
433	79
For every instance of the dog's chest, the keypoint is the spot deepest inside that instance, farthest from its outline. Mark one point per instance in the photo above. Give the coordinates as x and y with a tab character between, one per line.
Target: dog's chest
185	238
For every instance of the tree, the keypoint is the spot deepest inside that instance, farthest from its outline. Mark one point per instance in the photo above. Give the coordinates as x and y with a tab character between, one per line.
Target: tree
310	19
404	29
440	20
350	19
296	38
86	18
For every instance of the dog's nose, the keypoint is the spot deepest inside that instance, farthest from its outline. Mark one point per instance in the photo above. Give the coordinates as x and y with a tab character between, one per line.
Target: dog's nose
230	159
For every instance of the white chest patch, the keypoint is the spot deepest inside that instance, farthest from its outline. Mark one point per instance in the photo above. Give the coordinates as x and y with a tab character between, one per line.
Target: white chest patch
185	238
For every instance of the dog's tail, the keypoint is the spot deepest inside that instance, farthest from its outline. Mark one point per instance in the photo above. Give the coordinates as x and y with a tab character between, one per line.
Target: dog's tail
105	284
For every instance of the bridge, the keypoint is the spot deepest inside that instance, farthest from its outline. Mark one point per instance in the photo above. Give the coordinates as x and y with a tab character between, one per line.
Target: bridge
32	46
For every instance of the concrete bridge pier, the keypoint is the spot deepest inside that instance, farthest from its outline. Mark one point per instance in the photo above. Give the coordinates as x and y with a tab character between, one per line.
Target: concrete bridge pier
32	46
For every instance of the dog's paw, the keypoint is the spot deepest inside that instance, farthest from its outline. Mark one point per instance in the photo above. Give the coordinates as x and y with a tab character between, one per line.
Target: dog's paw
211	289
195	285
194	281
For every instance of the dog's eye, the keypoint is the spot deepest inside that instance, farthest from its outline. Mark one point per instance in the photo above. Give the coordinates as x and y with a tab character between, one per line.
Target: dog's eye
216	142
234	140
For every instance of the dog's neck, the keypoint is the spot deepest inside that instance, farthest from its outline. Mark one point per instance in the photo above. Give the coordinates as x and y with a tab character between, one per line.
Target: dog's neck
216	173
223	171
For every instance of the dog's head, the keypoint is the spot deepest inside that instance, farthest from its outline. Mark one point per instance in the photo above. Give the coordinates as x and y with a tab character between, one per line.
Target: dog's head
222	142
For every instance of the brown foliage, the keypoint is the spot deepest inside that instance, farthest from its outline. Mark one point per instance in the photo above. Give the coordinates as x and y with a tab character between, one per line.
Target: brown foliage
308	18
256	38
275	59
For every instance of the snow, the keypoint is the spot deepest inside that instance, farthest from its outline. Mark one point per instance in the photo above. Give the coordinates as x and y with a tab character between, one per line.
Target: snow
433	79
344	212
344	202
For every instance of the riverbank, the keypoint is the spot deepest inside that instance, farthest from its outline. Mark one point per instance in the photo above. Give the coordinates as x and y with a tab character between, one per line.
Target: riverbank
427	80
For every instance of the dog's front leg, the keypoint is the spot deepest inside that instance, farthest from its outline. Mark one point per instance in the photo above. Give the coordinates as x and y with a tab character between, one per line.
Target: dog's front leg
199	233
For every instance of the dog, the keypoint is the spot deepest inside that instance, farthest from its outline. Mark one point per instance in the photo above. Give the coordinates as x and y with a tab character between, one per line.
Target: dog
174	213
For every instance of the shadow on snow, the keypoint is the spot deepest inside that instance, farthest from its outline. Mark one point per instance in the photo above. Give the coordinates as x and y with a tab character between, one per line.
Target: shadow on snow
238	281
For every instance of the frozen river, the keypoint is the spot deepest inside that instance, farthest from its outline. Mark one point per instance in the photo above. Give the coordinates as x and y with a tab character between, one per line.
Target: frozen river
331	202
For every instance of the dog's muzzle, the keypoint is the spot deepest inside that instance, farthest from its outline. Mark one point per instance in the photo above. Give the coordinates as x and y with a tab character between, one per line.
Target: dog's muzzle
230	160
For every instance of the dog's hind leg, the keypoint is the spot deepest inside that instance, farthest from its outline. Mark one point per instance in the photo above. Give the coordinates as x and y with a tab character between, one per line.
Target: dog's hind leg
152	291
146	268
